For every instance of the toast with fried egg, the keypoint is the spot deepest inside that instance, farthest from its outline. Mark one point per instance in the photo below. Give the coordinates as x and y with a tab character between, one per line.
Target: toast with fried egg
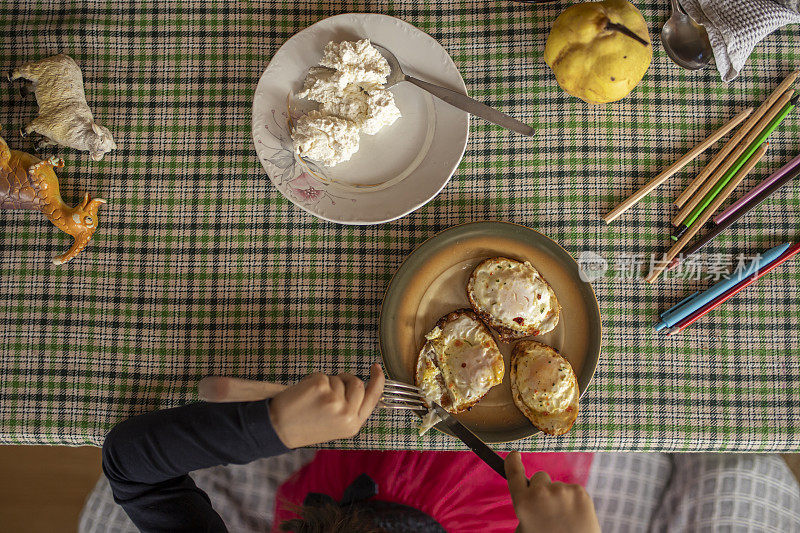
544	387
513	298
459	362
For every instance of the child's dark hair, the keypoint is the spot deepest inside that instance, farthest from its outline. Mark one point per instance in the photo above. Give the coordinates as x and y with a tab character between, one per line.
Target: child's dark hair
329	518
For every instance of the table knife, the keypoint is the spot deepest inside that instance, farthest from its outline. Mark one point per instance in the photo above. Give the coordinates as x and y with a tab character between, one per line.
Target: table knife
480	448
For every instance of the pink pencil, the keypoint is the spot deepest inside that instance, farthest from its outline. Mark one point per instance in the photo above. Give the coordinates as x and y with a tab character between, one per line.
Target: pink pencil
741	202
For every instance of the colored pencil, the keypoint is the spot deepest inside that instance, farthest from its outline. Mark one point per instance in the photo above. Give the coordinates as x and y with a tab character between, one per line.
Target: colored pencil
688	306
715	161
725	169
688	321
718	201
762	137
740	133
740	162
742	202
732	219
676	166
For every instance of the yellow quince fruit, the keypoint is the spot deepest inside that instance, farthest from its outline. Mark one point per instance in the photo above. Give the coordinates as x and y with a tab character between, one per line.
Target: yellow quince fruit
599	51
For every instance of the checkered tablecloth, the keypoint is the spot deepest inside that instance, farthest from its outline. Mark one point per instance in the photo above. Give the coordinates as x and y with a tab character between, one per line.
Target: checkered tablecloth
201	267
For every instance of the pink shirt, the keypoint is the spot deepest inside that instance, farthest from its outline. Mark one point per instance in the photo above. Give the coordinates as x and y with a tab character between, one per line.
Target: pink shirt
456	488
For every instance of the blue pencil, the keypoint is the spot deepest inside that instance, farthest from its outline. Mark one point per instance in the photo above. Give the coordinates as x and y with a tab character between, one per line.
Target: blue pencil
692	303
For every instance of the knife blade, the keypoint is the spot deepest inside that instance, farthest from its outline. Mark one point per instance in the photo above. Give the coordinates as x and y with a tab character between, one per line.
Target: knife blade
481	449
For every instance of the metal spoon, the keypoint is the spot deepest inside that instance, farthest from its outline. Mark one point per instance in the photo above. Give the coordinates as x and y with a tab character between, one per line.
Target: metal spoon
456	99
685	41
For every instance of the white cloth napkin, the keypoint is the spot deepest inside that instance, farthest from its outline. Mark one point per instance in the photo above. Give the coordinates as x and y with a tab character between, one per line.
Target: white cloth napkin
735	27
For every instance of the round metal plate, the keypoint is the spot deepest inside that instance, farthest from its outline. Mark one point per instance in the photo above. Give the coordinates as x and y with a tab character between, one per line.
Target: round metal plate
432	282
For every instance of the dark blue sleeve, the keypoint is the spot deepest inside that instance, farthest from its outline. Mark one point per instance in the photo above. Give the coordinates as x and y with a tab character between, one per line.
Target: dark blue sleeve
147	458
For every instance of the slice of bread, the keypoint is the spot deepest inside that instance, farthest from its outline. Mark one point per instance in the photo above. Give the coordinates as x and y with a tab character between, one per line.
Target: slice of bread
544	387
513	298
459	362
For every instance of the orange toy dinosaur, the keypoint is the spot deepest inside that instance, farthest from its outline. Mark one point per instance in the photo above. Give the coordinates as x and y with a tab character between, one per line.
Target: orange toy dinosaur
27	182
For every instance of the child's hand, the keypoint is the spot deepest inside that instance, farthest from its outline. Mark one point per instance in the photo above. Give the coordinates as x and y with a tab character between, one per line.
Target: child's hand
321	408
542	505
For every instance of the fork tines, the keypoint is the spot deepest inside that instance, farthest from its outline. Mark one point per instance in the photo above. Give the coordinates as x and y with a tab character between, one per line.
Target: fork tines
393	384
398	395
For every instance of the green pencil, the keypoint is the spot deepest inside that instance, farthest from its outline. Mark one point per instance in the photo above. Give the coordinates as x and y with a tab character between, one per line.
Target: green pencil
758	141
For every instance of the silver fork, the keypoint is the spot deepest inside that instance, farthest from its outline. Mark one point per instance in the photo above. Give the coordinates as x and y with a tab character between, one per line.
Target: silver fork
399	395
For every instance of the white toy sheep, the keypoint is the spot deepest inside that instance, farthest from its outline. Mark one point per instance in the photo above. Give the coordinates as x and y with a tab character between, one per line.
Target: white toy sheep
64	116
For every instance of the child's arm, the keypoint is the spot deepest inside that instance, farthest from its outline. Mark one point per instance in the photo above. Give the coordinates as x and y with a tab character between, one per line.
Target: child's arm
147	458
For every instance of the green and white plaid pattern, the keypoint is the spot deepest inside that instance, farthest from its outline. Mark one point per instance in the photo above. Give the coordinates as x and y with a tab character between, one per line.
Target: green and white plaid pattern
201	267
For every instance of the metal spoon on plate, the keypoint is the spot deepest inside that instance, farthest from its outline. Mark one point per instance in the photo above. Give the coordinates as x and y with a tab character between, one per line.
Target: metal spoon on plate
685	41
456	99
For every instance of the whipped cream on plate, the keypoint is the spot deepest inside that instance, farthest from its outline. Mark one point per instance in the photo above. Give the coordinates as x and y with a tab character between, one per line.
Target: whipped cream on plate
349	86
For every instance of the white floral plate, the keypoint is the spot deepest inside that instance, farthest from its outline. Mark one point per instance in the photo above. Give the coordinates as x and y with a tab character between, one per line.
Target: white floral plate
394	172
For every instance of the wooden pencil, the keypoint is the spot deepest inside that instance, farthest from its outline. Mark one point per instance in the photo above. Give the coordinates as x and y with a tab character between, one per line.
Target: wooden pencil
712	165
676	166
707	214
720	171
743	130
